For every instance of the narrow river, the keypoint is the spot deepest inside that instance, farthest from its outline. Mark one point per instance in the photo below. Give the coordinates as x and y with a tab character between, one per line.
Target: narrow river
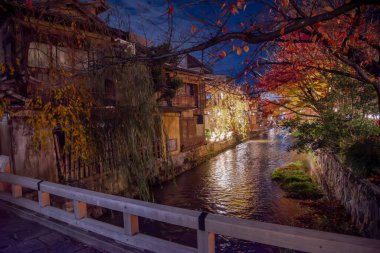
234	183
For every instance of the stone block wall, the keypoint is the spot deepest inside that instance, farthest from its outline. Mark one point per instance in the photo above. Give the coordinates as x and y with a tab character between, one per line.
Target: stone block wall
360	197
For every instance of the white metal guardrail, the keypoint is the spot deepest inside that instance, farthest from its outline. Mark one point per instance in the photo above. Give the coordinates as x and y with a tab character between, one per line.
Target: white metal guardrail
206	225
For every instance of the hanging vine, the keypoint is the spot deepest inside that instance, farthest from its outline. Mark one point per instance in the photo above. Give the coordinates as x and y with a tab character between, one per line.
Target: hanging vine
228	114
126	136
135	127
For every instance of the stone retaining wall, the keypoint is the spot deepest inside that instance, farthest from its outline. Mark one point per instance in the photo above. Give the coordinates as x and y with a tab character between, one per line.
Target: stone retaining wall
187	160
360	197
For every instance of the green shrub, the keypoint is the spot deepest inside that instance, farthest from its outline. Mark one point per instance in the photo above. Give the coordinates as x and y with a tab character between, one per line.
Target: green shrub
364	157
340	124
207	133
302	190
295	181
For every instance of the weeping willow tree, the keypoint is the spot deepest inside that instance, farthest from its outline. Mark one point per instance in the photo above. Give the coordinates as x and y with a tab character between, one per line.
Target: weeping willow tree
228	114
106	121
131	129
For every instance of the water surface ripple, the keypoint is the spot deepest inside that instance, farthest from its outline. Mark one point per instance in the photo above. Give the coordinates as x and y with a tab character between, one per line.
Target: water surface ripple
234	183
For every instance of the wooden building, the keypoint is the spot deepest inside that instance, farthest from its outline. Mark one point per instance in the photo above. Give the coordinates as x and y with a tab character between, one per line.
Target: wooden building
183	115
43	46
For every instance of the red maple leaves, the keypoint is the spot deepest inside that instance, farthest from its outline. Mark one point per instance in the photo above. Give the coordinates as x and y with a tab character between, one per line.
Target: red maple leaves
170	10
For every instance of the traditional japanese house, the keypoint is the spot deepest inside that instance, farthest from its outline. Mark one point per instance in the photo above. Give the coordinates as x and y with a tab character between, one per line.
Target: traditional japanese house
183	113
43	46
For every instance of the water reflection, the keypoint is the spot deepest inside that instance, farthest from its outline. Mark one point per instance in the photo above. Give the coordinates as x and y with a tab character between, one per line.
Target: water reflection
236	183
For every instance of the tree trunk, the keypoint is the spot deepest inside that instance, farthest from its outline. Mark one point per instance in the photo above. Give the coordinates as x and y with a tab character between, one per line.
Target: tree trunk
377	88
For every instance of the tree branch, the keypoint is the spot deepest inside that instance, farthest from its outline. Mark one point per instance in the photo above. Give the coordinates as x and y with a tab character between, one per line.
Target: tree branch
255	39
292	110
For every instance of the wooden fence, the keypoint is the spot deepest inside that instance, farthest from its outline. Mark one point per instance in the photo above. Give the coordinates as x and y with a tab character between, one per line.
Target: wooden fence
206	225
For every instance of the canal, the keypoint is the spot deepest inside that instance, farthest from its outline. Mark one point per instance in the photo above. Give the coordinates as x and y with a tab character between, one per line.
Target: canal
234	183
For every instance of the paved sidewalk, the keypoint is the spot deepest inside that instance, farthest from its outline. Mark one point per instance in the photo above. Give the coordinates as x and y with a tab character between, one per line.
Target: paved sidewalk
18	235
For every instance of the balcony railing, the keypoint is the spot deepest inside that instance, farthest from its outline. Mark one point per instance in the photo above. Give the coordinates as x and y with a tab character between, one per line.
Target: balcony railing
184	101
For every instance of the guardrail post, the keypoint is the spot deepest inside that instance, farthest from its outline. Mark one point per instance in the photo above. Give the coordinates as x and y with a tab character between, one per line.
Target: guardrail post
43	199
131	224
206	242
16	191
4	186
80	209
5	167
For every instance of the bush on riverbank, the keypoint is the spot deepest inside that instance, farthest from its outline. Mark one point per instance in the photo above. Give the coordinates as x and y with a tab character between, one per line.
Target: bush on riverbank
296	182
327	215
364	157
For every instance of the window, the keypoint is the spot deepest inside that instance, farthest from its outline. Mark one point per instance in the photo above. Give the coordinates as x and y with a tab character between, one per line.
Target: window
109	86
200	119
62	55
171	145
39	55
80	59
109	90
188	90
191	90
2	54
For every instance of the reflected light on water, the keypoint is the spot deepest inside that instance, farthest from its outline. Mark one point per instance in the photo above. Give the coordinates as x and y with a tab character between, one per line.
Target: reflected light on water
236	182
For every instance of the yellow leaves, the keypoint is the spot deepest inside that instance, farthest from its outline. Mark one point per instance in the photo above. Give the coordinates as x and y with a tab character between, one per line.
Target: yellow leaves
285	3
238	51
328	8
3	106
193	29
11	71
69	109
2	68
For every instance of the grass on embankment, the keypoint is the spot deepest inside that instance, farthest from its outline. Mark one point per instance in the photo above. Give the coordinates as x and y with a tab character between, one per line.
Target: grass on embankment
295	181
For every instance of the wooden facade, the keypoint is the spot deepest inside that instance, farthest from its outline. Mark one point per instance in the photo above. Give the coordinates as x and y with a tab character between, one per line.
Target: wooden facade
54	42
49	45
188	105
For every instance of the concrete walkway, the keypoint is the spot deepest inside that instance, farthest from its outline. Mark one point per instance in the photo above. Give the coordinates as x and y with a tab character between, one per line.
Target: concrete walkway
18	235
24	231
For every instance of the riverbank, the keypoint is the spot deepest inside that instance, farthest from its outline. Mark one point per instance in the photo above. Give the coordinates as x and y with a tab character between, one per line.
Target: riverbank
360	197
316	210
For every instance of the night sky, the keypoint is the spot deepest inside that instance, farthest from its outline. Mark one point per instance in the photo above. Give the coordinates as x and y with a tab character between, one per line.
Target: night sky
149	18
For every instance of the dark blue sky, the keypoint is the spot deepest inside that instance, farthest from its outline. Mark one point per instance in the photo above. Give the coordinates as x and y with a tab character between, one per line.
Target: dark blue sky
149	18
